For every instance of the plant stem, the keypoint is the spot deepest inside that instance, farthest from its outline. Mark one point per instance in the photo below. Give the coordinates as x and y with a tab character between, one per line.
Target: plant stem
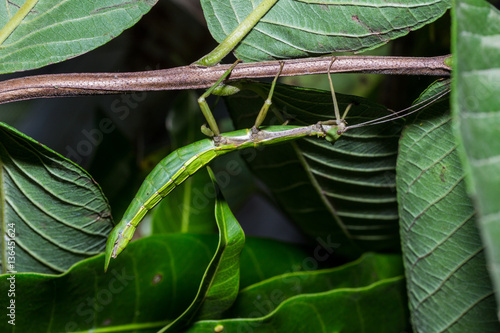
199	77
230	42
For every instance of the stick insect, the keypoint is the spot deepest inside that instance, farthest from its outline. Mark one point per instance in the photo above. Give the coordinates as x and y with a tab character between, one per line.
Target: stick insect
184	162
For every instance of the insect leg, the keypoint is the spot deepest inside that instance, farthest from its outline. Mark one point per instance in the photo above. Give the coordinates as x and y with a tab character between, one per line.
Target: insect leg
213	129
335	133
263	111
334	98
14	22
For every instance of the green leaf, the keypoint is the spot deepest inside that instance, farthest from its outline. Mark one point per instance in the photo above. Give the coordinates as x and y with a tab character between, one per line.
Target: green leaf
306	28
51	208
190	207
476	105
343	196
152	282
149	285
320	301
267	295
220	284
54	31
448	284
264	258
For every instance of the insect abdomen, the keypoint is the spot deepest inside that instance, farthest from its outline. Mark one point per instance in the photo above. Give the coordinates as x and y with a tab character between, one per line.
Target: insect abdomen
165	177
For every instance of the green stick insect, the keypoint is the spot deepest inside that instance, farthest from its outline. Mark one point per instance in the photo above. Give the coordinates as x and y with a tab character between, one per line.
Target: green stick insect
174	169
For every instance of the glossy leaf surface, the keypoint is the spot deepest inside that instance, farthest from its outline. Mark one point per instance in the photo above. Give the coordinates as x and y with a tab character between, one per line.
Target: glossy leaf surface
366	295
153	281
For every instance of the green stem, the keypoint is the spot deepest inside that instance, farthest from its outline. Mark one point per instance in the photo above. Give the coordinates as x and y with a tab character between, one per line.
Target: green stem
16	19
228	44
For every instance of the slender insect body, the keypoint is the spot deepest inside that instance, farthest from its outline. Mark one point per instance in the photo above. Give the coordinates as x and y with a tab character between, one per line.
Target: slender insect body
174	169
169	173
184	162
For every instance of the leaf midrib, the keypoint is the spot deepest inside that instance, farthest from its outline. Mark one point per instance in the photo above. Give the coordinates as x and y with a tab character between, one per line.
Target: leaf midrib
317	187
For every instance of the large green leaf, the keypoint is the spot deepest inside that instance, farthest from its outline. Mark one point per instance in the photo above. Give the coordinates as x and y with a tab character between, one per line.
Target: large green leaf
152	281
302	28
448	284
364	296
476	108
220	284
343	195
190	207
54	31
267	295
264	258
376	308
53	212
149	285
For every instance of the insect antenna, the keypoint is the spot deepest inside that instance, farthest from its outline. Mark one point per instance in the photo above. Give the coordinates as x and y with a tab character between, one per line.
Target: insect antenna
404	112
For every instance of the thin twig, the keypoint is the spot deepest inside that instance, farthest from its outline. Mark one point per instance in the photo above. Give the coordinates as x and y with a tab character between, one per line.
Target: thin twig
198	77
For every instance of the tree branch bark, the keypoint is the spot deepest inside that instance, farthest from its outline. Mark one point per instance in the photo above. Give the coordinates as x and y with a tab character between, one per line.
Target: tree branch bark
198	77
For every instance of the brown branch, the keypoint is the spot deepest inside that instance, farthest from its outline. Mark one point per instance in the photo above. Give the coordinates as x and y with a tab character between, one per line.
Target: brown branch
195	77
